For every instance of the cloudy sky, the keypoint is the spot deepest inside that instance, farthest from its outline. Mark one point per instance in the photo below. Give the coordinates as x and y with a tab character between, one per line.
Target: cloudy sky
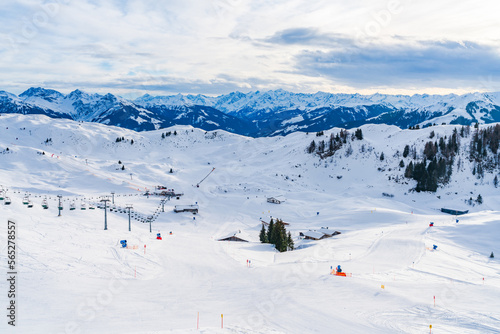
133	47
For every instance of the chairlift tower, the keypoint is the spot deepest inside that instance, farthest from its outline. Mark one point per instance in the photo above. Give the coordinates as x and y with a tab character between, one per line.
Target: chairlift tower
60	205
113	194
129	206
163	201
105	200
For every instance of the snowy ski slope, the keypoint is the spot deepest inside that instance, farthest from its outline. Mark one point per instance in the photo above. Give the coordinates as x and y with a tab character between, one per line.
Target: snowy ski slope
74	277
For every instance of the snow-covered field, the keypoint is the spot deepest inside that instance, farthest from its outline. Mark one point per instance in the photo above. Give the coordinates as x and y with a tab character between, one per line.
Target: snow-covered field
74	277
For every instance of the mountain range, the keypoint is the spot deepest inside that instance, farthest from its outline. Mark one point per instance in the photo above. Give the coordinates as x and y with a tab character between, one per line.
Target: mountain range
257	113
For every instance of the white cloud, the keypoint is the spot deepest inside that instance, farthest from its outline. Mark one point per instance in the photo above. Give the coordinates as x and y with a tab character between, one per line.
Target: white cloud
217	46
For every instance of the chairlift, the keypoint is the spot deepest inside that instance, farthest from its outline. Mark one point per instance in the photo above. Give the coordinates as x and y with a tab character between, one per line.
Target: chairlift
26	200
72	206
45	205
83	206
30	204
7	201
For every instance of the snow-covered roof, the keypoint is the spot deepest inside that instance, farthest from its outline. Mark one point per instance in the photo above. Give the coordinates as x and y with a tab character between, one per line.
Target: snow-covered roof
314	234
241	235
326	231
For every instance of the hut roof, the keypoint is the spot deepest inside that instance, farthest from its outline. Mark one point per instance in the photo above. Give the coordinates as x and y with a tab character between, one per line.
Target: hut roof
314	235
238	236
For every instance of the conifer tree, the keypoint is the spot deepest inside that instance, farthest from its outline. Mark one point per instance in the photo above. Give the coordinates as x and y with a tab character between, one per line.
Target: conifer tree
289	242
275	234
406	151
409	170
280	240
359	134
263	234
321	147
312	147
270	230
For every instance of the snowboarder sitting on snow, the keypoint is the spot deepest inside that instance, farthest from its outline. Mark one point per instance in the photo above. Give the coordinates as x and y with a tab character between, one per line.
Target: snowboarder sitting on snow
339	270
158	236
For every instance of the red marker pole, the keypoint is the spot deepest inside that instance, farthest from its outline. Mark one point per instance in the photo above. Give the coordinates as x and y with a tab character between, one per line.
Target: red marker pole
222	321
434	301
198	321
144	249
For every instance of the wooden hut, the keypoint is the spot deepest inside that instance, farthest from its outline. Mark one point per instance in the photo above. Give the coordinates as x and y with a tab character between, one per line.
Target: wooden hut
235	236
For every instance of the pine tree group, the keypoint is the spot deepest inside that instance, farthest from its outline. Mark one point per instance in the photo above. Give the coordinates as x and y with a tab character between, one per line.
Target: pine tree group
327	148
436	166
277	235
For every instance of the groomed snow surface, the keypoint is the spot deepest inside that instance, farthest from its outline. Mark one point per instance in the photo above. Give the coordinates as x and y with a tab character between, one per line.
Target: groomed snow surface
74	277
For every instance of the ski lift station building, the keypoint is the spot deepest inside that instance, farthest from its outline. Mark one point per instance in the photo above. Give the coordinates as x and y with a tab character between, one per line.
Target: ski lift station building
273	200
454	212
186	208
